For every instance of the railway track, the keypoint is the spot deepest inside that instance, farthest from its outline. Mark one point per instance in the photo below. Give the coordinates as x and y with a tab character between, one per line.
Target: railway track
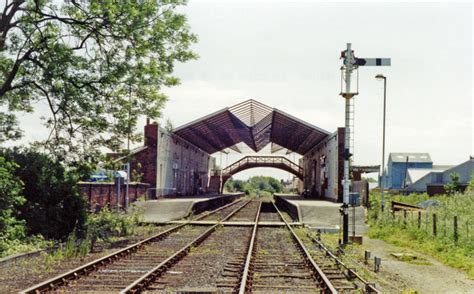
259	258
219	214
247	213
132	261
277	260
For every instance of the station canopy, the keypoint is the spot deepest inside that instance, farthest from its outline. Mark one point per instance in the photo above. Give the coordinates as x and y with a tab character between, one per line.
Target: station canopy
254	124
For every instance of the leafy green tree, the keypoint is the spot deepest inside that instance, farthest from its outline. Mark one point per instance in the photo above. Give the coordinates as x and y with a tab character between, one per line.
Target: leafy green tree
54	207
249	187
8	127
239	185
96	65
229	185
470	185
10	196
169	126
453	186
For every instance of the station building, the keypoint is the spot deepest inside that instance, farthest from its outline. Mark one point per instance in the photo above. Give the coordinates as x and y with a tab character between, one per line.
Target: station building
181	162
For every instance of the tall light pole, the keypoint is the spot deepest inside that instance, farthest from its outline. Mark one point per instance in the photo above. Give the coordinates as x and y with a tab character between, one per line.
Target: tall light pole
382	179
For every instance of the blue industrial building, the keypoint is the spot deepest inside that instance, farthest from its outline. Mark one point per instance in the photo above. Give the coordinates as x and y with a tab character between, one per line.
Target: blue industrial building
398	165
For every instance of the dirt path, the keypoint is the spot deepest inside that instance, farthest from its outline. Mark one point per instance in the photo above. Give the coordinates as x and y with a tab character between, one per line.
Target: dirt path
429	277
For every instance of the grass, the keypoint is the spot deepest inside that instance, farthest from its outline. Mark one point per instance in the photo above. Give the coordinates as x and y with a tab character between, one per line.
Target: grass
404	232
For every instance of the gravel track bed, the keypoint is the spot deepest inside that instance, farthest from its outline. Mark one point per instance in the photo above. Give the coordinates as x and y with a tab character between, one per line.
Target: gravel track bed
214	265
17	276
121	273
246	214
329	267
219	215
279	266
268	213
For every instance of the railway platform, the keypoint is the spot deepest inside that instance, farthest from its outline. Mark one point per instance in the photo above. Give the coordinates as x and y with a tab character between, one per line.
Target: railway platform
169	209
322	215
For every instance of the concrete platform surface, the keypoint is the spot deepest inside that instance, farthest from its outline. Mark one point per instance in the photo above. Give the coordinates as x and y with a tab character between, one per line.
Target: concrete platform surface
168	209
325	215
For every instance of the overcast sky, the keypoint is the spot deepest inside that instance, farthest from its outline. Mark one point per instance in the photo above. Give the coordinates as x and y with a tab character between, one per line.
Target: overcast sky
286	55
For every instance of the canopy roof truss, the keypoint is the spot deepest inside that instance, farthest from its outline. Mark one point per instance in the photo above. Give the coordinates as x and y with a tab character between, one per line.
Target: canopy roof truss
254	124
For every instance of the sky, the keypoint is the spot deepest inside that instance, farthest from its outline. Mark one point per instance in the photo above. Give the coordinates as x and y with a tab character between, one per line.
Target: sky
286	54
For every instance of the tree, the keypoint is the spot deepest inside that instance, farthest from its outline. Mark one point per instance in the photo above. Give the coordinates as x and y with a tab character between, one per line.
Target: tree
453	186
169	126
229	185
10	196
470	185
96	65
54	207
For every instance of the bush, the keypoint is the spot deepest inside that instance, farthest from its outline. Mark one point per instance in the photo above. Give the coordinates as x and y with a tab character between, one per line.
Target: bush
22	245
12	230
53	207
107	224
249	187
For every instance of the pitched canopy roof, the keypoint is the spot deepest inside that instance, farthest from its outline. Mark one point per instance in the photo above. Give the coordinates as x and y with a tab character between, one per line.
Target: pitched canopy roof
254	124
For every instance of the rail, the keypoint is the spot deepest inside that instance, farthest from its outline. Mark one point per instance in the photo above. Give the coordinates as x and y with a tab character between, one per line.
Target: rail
64	278
142	282
369	288
244	285
325	284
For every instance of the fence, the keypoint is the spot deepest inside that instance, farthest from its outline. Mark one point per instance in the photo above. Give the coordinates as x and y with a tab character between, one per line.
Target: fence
440	223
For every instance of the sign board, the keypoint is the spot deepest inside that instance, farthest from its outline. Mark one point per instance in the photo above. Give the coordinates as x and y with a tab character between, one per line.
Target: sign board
354	199
373	61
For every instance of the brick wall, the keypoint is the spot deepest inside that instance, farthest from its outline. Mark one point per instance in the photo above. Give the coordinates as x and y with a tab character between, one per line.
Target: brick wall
147	157
105	194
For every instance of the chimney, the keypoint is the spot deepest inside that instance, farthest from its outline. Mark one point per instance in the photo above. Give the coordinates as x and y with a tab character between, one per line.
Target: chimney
151	134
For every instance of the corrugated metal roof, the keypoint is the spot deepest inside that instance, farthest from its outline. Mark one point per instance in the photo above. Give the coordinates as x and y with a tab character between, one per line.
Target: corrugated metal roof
256	125
412	157
415	174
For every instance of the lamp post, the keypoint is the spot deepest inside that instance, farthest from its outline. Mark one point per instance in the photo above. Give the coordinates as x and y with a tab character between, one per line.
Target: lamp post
380	76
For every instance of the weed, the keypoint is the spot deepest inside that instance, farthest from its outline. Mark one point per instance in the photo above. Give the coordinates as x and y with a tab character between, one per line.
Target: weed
416	233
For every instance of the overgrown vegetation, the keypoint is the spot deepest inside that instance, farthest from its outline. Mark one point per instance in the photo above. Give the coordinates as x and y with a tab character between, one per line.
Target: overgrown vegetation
96	66
255	186
107	224
419	232
40	205
53	207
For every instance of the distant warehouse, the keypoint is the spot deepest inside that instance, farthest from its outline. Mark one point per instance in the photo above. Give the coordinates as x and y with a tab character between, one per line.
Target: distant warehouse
400	163
433	180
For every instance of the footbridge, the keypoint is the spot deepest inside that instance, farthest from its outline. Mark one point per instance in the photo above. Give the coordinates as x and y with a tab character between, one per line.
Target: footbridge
247	162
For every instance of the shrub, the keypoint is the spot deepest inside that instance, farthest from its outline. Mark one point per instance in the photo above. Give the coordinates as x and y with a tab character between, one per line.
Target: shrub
12	230
453	186
107	224
53	207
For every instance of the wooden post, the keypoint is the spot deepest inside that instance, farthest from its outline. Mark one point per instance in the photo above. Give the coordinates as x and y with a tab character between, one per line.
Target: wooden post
456	229
404	217
419	219
434	224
